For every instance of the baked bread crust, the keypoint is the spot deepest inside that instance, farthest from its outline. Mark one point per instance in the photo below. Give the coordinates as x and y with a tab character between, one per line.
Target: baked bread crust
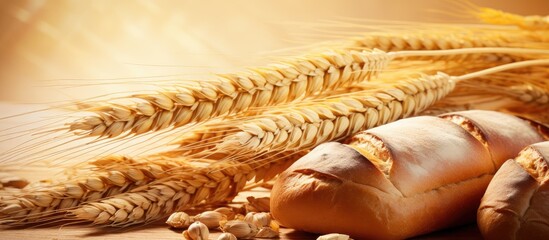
516	202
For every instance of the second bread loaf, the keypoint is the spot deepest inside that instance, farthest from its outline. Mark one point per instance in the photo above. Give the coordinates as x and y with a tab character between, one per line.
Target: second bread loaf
516	203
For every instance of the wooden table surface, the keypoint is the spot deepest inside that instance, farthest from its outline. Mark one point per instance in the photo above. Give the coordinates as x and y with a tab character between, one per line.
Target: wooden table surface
161	231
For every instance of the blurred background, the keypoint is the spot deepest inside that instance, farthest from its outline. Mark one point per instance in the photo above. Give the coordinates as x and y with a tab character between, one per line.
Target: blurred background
56	50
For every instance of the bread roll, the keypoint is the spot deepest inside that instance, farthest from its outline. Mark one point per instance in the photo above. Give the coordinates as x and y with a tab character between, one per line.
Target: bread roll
516	203
403	179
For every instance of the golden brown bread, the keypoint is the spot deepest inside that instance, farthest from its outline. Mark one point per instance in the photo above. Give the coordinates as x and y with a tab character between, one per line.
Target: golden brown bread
414	145
516	203
501	132
399	180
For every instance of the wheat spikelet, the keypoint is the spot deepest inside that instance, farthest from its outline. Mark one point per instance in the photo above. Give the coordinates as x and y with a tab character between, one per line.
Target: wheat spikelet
306	126
111	176
494	16
196	101
177	192
531	94
198	142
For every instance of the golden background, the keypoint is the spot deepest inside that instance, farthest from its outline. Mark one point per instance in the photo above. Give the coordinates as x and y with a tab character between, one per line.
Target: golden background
49	49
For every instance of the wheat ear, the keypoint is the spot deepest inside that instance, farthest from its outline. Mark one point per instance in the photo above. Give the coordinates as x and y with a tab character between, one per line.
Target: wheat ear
200	101
179	191
308	125
110	176
196	101
204	142
493	16
436	39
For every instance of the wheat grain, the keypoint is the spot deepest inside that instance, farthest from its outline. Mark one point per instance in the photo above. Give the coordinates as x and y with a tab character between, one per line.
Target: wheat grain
11	181
197	231
226	236
196	101
199	142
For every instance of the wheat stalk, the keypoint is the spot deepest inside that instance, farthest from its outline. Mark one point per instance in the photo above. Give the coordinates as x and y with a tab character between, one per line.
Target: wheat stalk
145	203
196	101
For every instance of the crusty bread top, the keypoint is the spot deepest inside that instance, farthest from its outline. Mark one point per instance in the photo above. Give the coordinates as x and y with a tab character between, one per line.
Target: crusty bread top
417	148
498	131
534	160
351	166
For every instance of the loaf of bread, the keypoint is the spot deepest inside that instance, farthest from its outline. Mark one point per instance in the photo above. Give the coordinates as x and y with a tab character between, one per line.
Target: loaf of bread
403	179
516	203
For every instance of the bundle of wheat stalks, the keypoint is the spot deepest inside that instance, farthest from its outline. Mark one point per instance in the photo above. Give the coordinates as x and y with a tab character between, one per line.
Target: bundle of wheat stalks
247	127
